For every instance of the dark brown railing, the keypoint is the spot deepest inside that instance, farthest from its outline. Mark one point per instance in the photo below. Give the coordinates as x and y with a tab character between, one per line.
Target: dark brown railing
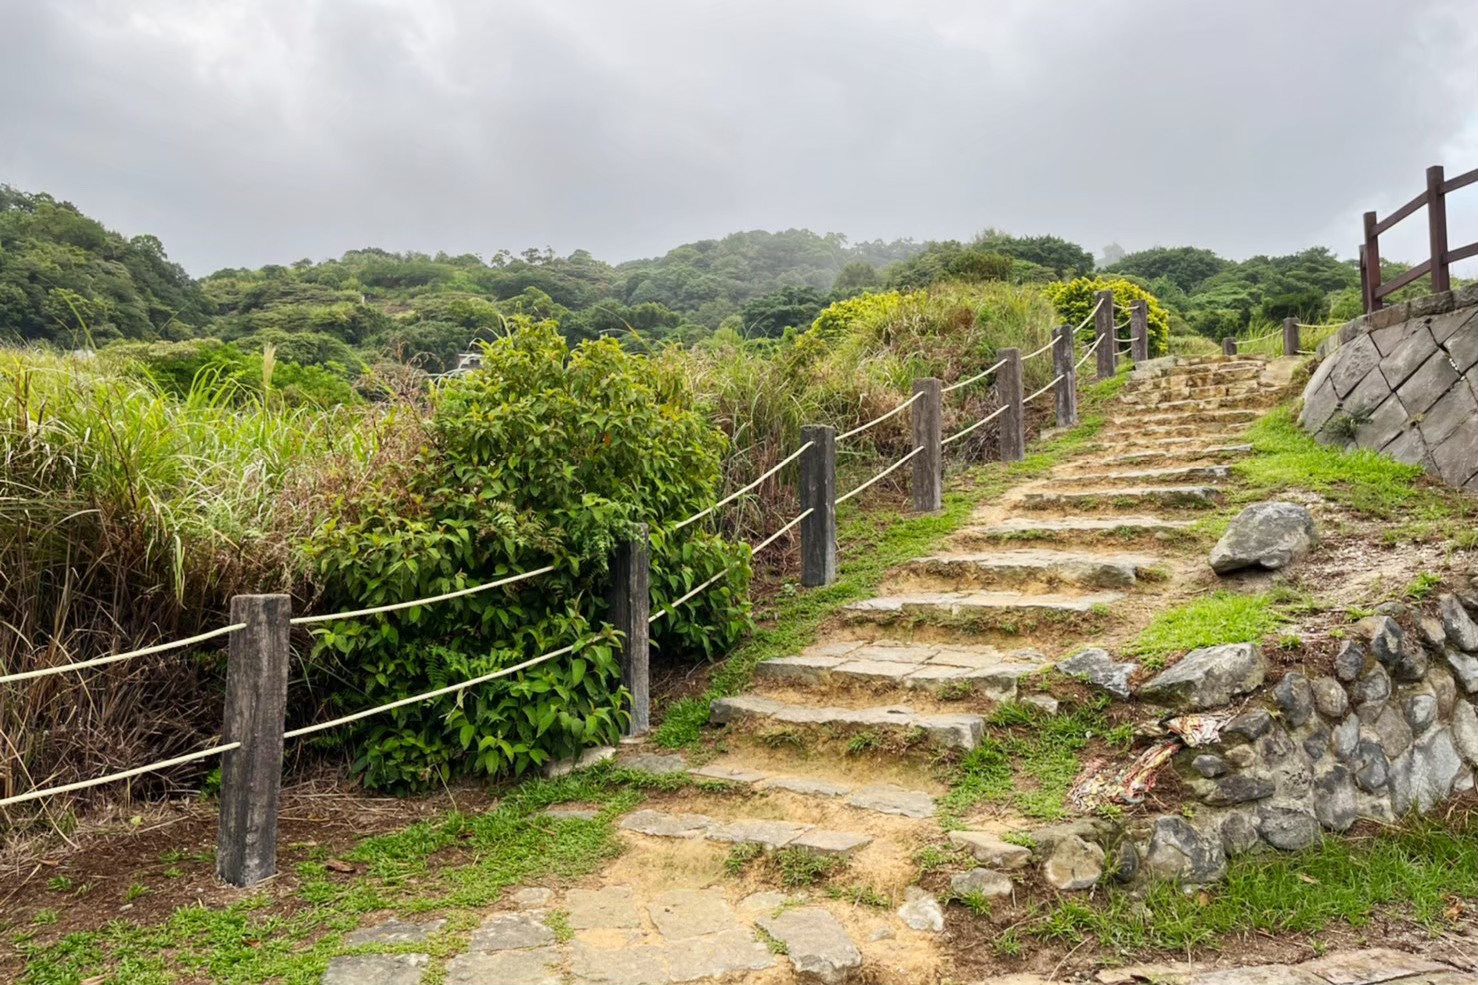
1434	197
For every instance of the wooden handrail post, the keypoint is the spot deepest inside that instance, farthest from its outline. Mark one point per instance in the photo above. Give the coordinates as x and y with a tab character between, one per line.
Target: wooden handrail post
1012	426
1063	353
1437	228
256	703
1139	325
629	605
1103	331
928	465
1228	346
1370	264
1290	336
819	494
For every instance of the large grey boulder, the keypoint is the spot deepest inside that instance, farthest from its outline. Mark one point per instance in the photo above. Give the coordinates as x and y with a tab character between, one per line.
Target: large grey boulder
1265	535
1178	851
1207	678
1094	666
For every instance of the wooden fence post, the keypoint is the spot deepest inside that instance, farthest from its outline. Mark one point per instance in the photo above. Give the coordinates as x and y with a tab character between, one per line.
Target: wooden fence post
251	775
1437	229
1103	331
1139	327
927	464
1370	264
629	606
1290	336
1228	346
1008	390
819	494
1063	353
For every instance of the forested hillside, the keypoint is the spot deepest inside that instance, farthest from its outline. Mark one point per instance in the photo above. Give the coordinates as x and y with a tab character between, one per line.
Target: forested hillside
330	325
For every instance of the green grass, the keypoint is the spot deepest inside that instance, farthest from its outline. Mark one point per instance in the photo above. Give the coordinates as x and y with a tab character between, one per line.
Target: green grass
874	542
1221	617
1420	868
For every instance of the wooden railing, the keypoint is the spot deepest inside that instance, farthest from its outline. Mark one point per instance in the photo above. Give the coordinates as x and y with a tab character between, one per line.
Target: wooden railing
1434	197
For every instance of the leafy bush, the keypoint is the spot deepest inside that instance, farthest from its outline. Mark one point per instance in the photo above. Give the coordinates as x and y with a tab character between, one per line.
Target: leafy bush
838	316
547	457
1074	299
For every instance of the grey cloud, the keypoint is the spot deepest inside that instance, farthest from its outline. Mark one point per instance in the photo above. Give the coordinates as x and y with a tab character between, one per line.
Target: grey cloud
246	133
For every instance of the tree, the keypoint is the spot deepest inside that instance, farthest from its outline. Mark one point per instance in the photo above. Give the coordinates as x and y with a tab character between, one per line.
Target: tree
855	277
789	307
1186	266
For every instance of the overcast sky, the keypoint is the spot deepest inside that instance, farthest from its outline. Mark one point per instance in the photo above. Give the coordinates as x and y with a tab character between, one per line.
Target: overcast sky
245	132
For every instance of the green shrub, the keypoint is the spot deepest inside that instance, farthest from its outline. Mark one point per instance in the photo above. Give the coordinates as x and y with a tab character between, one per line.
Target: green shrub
1074	299
548	456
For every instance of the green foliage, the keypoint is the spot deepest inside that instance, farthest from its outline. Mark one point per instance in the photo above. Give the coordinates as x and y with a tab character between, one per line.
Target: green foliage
549	456
839	316
1184	266
1074	300
771	314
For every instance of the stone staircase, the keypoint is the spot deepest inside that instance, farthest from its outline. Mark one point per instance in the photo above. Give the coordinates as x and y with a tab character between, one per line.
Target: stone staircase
830	752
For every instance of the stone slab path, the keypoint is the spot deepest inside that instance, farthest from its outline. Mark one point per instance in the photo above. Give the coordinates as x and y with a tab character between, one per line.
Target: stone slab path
948	638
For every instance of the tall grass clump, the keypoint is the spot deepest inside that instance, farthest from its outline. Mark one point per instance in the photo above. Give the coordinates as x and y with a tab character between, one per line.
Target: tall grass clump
129	516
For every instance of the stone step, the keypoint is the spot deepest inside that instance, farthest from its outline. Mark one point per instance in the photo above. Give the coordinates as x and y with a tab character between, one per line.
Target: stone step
1126	497
880	798
1177	417
1075	529
949	731
768	834
1244	402
1184	473
1146	457
986	670
978	611
1033	566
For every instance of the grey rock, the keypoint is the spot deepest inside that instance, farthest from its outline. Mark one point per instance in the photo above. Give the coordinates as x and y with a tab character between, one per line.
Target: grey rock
1334	798
664	825
1376	964
394	931
571	814
1421	712
1096	667
1209	766
381	969
1207	678
816	944
1369	693
1178	851
510	931
1074	864
1045	702
532	898
1241	756
604	908
651	762
1316	744
764	901
1346	737
1393	609
590	962
758	831
1444	689
805	785
1372	767
1265	535
1385	637
985	882
1094	829
1424	775
1295	698
1391	730
729	774
921	911
1123	863
1239	789
1246	727
1330	699
991	850
715	957
882	934
1412	666
539	966
1239	833
831	842
1465	732
1464	668
889	798
1459	627
682	913
1349	662
1432	633
1287	828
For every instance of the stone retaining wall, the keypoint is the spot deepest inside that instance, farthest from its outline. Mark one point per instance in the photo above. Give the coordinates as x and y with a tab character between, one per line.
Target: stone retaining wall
1391	730
1404	381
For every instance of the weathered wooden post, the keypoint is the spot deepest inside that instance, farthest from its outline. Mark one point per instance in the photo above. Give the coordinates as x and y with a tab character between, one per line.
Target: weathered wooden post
819	494
1228	346
1012	425
1139	325
1370	263
629	607
1290	336
1067	387
1103	330
251	774
927	464
1437	228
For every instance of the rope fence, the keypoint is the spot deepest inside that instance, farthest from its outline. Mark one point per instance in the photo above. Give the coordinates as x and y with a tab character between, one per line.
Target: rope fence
259	631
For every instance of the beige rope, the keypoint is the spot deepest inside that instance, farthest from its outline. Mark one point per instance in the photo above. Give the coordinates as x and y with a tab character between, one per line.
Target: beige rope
114	658
978	376
733	496
752	552
890	468
1090	351
125	774
878	420
984	420
1038	352
396	606
1056	380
